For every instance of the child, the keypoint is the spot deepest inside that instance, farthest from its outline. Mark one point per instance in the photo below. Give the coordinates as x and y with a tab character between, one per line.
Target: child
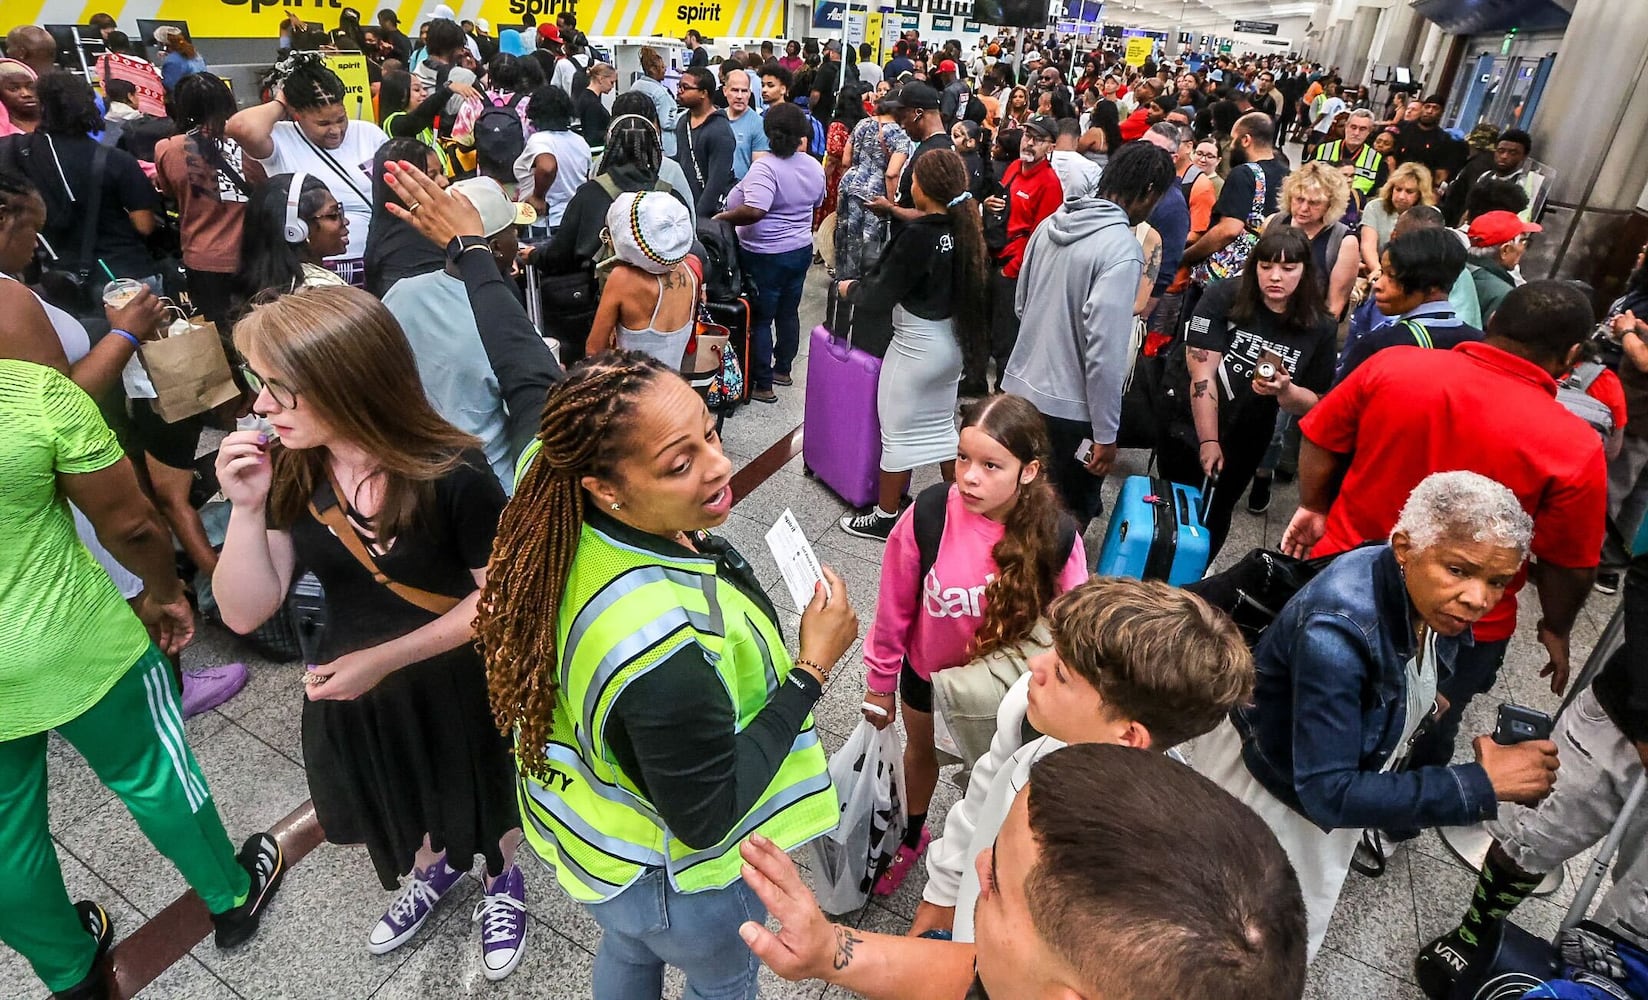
1133	662
1007	548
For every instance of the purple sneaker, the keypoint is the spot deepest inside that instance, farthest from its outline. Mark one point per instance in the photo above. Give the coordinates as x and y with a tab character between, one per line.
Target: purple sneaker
412	907
502	915
209	687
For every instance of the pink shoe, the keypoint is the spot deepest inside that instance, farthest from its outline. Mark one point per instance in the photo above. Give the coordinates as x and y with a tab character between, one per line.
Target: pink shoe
903	861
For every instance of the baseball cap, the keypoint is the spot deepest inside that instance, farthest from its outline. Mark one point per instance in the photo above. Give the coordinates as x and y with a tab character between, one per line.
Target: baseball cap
947	66
1044	124
1490	229
549	32
832	46
650	230
483	24
497	211
918	96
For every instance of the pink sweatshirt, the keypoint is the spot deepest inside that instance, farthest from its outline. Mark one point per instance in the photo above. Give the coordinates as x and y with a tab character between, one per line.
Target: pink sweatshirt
934	632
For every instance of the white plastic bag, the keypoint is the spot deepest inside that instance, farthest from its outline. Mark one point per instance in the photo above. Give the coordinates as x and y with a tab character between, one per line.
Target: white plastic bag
868	773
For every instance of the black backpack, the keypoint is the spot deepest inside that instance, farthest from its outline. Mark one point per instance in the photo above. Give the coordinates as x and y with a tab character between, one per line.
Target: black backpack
723	278
504	121
932	508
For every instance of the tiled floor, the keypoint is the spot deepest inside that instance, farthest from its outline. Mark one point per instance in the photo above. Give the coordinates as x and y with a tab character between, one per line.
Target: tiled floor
312	945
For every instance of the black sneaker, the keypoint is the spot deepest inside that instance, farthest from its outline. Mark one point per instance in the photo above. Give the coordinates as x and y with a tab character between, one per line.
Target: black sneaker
262	858
1258	496
95	986
871	524
1607	583
1441	964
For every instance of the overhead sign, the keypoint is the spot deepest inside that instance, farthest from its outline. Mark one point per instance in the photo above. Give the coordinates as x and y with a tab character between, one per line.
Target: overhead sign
827	14
1258	27
943	23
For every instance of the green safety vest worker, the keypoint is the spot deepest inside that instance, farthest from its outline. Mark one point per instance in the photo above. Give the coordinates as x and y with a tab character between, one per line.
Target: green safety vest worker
1366	165
625	610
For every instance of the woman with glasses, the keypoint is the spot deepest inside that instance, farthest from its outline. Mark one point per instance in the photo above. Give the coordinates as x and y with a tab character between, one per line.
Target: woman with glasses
285	245
394	509
1206	157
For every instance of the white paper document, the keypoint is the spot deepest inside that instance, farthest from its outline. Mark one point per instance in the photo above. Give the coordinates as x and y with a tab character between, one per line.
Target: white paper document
796	560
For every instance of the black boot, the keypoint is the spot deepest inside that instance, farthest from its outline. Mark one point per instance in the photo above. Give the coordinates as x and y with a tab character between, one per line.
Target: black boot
96	984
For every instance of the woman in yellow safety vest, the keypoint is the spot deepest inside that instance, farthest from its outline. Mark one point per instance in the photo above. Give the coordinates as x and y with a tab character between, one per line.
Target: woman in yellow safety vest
658	718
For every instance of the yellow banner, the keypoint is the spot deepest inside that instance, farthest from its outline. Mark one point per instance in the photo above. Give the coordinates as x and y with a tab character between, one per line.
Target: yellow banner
357	88
1138	50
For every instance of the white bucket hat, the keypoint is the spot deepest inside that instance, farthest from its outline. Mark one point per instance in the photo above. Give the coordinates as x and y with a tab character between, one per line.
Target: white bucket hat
650	230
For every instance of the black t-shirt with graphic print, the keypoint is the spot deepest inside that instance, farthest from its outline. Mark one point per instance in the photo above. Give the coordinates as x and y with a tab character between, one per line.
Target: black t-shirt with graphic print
1308	355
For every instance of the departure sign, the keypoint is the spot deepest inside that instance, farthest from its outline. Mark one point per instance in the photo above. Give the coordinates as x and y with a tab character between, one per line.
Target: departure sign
1257	27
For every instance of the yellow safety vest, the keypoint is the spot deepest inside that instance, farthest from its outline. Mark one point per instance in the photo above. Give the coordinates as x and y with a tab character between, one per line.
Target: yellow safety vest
628	607
1365	166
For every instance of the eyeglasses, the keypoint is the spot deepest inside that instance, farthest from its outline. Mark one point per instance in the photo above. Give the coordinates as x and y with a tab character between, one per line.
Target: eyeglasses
287	398
332	216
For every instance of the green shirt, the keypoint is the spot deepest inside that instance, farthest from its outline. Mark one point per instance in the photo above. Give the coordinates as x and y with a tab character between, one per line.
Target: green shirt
66	635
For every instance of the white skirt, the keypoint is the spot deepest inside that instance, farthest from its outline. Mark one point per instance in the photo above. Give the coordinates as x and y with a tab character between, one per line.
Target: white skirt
916	396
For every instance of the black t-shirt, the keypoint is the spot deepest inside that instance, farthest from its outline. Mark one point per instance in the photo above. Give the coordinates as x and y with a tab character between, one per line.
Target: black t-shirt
1434	148
1308	356
60	164
938	140
1236	200
593	117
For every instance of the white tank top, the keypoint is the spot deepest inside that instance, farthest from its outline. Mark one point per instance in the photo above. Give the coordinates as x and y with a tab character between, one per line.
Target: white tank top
668	346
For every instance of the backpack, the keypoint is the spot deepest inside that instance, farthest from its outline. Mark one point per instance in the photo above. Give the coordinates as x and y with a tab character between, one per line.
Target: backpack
503	121
816	145
1574	394
1228	261
931	510
723	278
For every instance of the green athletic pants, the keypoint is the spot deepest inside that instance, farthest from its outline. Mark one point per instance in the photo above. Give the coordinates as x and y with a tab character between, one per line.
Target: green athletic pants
133	740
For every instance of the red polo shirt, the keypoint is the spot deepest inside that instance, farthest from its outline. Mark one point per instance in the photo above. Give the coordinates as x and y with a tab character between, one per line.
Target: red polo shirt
1408	412
1033	193
1135	125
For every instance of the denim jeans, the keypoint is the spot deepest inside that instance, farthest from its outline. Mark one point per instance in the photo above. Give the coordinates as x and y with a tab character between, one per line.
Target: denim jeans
778	278
650	925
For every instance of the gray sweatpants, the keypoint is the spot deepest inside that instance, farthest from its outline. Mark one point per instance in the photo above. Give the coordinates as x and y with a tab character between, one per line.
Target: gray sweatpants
1599	766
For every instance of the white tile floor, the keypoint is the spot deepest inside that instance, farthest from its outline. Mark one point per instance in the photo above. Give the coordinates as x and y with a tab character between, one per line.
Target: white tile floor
312	945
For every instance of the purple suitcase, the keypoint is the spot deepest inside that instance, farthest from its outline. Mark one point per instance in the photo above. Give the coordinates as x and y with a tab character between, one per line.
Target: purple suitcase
842	443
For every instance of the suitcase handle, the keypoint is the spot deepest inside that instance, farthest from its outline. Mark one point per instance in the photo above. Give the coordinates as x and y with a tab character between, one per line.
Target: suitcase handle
840	348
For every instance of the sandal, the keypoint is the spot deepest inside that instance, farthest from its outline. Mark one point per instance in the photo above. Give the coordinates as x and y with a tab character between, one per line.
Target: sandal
903	862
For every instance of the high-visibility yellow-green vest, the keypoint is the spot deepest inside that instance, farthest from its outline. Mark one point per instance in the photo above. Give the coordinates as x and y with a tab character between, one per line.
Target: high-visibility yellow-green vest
1365	168
627	608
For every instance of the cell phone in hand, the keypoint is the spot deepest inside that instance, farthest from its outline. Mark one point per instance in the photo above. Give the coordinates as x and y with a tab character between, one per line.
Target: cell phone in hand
1084	451
1520	724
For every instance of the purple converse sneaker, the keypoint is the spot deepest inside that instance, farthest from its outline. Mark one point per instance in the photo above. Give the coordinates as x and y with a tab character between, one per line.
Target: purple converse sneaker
502	915
208	687
412	907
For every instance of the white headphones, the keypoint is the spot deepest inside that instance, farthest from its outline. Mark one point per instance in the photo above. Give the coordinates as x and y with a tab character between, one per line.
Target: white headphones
296	230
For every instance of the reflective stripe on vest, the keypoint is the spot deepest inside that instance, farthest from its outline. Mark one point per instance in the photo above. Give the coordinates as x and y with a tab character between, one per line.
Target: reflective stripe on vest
1365	166
626	609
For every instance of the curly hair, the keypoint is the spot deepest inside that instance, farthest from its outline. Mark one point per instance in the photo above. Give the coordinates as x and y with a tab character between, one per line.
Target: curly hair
1316	176
583	432
1027	558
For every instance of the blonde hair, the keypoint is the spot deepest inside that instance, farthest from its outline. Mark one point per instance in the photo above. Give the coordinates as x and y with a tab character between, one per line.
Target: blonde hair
1416	174
1317	175
349	363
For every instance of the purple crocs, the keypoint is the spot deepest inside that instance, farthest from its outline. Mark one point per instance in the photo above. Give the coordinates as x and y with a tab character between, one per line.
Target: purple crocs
412	907
502	916
208	687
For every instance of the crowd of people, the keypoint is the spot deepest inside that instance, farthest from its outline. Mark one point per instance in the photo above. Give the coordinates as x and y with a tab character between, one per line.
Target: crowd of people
468	453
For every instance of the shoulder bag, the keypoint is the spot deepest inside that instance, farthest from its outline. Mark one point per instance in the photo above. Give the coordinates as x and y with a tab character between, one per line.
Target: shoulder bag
327	508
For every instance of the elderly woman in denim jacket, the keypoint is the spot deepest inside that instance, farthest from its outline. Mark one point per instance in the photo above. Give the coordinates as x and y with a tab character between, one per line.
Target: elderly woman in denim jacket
1347	675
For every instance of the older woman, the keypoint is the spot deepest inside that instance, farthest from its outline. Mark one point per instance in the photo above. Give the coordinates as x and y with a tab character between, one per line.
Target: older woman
773	210
1316	196
659	718
1347	675
1409	185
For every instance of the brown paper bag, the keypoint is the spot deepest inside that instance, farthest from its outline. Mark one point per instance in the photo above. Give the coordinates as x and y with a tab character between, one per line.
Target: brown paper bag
189	371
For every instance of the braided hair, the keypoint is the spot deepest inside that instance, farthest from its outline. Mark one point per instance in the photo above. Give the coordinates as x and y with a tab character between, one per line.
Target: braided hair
633	138
1137	171
583	432
307	82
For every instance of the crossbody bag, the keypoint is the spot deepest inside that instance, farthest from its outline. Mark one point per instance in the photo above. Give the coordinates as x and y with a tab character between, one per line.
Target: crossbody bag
327	508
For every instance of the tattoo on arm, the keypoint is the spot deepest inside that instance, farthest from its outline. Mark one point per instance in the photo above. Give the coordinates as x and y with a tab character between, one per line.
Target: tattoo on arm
1198	355
845	940
1199	389
1153	265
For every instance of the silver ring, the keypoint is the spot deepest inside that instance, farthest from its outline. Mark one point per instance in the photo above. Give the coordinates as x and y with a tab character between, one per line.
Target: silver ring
414	206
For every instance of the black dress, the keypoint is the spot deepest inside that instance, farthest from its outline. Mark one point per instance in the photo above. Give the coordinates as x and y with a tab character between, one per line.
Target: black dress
419	752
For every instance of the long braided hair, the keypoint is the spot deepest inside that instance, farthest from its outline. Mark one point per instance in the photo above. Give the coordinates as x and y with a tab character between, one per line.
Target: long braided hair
583	432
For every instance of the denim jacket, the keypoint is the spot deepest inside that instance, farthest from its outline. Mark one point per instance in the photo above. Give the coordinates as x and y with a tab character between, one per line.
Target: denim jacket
1329	706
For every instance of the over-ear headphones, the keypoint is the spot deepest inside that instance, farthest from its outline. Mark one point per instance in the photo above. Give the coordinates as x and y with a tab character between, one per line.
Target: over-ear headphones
296	230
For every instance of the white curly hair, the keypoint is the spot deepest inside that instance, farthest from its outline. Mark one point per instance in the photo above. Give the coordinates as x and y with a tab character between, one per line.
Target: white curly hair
1464	506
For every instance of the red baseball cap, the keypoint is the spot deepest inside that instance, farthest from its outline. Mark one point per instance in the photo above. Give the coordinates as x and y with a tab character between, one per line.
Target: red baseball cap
550	33
947	66
1490	229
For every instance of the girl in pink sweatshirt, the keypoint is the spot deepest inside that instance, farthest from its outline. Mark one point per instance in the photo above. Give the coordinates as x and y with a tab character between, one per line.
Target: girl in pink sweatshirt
1000	562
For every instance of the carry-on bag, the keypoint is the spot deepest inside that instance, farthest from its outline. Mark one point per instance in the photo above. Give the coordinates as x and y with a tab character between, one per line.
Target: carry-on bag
842	446
735	317
868	773
1157	532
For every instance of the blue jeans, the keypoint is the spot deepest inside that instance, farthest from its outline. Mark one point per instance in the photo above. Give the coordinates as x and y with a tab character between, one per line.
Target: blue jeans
650	925
778	278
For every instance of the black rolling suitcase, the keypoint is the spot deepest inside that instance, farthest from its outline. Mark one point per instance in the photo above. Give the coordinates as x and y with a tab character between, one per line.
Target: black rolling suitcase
735	316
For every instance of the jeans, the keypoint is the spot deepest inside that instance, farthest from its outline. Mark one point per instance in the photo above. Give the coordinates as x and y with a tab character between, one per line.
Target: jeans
650	925
1078	488
778	278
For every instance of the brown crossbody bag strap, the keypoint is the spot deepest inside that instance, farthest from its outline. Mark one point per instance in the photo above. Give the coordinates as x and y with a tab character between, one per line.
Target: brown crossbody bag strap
333	517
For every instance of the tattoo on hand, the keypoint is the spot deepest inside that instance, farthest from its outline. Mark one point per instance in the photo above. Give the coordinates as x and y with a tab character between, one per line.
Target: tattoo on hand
845	939
1199	389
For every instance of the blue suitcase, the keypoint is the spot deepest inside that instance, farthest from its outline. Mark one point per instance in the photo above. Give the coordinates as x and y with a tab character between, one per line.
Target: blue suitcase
1156	533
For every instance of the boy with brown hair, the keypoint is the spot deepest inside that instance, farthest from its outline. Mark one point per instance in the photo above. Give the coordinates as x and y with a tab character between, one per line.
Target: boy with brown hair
1136	663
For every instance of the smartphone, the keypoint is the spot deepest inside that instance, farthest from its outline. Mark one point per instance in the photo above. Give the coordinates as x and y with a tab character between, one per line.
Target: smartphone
1084	451
1520	724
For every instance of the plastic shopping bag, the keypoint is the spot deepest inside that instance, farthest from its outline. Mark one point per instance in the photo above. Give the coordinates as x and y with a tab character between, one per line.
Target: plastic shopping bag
868	773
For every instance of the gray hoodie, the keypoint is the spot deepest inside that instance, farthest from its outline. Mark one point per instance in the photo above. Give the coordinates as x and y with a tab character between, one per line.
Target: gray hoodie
1075	303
